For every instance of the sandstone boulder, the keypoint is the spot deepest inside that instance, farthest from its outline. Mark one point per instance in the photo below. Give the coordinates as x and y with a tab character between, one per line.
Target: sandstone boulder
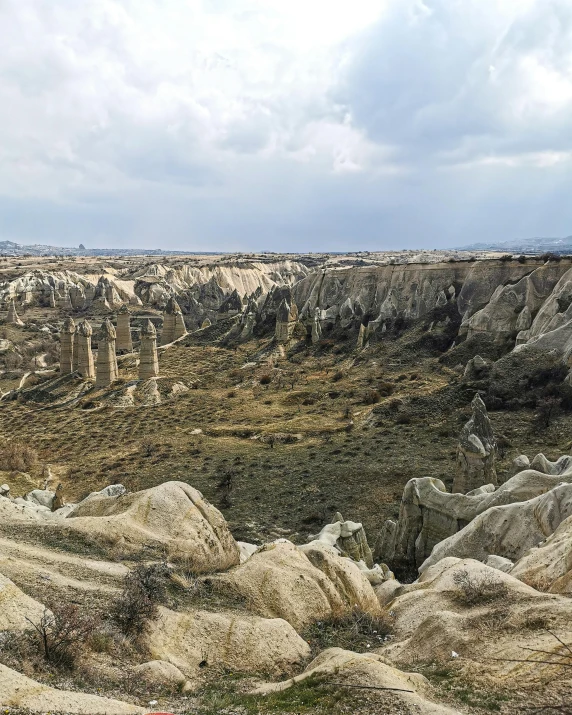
172	517
301	585
196	640
161	675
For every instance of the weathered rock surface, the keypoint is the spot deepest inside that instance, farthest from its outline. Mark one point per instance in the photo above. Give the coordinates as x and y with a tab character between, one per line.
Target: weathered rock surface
15	608
429	514
124	340
82	350
548	566
405	690
162	675
199	639
302	584
171	517
148	360
67	345
509	530
16	690
476	451
107	371
12	318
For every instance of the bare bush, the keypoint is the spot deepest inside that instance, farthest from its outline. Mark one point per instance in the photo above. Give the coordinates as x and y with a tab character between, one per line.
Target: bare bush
148	447
144	588
18	457
63	630
355	630
476	589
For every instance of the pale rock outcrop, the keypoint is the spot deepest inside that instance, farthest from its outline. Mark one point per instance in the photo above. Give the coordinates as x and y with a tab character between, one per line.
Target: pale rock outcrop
41	497
19	691
82	350
16	607
500	563
548	566
124	341
67	345
348	537
195	640
476	451
363	336
162	675
402	690
107	371
509	530
12	317
148	360
476	368
428	513
317	326
302	584
520	463
432	619
286	319
173	323
206	324
172	519
562	465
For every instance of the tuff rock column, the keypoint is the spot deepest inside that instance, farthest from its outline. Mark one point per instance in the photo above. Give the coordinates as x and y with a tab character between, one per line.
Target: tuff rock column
173	323
107	371
476	451
316	327
148	361
67	335
84	358
286	319
12	317
124	342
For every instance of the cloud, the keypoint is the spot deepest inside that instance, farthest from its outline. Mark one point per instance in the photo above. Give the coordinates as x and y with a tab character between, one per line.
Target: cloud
261	124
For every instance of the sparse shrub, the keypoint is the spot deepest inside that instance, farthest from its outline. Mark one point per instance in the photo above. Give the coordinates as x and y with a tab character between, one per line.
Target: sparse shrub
337	376
476	589
148	447
546	408
403	418
63	630
521	259
385	388
144	589
353	631
230	394
18	457
372	397
506	258
265	379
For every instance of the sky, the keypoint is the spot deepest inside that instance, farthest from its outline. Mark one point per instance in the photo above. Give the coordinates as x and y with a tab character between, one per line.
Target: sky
284	125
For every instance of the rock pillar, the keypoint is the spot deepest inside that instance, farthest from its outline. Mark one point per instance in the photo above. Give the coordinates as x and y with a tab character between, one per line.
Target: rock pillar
476	451
148	361
83	360
107	371
173	323
12	317
316	327
67	336
124	342
286	319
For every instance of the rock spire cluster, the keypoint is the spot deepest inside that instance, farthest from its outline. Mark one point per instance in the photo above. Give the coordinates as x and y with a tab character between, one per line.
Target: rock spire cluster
173	323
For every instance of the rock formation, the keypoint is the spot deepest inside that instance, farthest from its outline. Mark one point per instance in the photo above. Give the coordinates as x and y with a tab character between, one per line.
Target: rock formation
67	345
124	342
12	317
286	319
476	451
107	371
316	327
173	323
148	360
362	336
348	537
84	355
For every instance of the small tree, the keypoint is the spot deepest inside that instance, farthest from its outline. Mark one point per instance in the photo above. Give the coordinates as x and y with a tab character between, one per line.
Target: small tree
545	410
144	589
62	630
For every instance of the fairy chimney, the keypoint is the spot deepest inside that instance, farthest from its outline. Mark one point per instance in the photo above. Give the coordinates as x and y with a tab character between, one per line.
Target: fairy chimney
316	327
173	323
83	361
124	342
13	315
107	371
148	361
67	335
286	319
476	451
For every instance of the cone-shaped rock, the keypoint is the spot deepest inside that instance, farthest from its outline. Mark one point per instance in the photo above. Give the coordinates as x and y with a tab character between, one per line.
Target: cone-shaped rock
12	317
148	361
476	451
84	358
107	371
173	323
286	318
67	335
124	342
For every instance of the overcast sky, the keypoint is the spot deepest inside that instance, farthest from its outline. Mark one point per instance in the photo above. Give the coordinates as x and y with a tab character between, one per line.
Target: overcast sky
284	124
